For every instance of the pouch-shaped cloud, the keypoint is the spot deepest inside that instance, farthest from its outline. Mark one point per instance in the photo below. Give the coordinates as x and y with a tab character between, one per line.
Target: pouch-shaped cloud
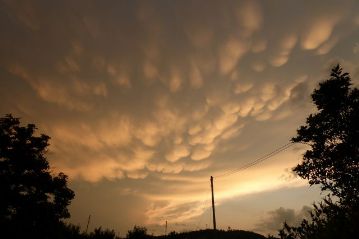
318	32
175	81
95	171
150	70
201	36
259	45
201	152
242	87
119	77
230	53
286	45
196	78
178	152
249	16
69	96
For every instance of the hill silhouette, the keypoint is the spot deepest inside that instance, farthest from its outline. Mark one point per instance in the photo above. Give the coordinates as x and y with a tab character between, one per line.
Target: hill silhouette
211	234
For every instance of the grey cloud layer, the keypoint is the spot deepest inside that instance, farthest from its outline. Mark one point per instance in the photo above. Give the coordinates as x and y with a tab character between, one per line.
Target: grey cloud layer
275	219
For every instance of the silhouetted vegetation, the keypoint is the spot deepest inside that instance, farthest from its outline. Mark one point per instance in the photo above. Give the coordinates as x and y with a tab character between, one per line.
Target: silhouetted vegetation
211	234
332	161
32	201
100	233
141	233
137	233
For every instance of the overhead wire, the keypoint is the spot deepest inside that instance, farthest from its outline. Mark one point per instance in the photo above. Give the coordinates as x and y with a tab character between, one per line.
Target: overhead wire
257	161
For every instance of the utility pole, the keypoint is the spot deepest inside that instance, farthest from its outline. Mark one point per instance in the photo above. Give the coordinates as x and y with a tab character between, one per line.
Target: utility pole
213	209
88	222
166	229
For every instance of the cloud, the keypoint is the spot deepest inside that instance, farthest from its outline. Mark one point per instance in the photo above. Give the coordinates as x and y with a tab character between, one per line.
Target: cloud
99	165
119	77
200	36
242	87
174	212
230	53
150	70
327	46
356	48
196	78
275	219
26	13
249	16
177	153
201	152
175	81
58	93
285	46
95	171
318	32
259	66
259	46
113	131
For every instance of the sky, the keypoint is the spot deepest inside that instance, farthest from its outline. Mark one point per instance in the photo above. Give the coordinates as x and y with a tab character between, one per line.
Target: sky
145	100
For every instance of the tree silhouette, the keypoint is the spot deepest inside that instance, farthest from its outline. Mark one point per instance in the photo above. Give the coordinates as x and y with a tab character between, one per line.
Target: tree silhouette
137	233
333	134
100	233
333	160
32	200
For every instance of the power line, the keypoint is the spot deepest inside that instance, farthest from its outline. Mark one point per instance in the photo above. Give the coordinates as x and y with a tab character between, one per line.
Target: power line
257	161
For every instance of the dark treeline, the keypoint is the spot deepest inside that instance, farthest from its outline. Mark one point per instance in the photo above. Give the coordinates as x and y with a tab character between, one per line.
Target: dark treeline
210	234
73	232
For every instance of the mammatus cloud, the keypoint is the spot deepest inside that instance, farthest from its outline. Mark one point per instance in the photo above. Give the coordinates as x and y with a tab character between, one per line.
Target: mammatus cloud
356	48
230	53
319	31
152	93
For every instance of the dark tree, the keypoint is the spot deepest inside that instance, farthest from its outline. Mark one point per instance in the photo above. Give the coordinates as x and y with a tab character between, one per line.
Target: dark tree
328	220
100	233
137	233
32	201
332	160
333	134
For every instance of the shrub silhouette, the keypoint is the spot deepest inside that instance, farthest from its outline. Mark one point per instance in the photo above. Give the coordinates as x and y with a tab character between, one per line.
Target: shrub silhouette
137	233
100	233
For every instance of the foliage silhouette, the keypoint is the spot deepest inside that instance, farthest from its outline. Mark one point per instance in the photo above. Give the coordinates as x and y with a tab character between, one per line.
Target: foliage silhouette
32	201
333	134
100	233
137	233
332	161
328	220
211	234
